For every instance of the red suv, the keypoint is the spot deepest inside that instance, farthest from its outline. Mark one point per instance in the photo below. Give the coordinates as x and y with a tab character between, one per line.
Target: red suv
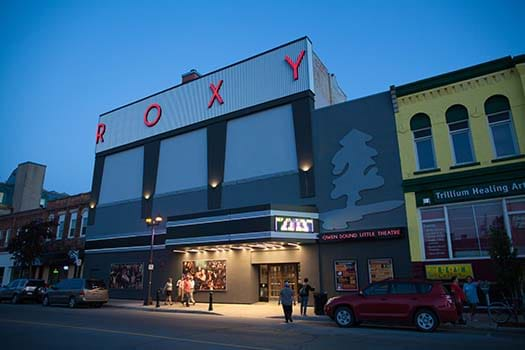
425	304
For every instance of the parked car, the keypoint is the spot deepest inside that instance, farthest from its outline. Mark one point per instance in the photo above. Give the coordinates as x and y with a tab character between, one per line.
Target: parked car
23	289
424	304
77	291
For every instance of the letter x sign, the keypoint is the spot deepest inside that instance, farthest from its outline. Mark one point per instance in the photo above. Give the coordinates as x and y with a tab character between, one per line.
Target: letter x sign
215	90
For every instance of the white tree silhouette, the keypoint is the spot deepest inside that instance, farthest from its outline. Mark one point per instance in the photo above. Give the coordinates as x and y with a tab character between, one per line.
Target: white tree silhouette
356	171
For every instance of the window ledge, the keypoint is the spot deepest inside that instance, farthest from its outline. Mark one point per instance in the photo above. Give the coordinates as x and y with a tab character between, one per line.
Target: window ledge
426	171
465	165
503	159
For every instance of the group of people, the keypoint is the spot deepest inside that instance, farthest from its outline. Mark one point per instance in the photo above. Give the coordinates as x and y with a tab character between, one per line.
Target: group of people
287	299
466	295
185	286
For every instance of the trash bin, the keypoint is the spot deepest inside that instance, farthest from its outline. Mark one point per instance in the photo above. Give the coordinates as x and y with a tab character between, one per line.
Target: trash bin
320	300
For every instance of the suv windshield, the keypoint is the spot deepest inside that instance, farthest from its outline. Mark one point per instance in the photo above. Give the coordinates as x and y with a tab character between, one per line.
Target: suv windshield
35	283
94	284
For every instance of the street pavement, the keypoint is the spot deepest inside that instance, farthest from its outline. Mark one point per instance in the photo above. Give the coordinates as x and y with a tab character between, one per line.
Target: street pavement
33	326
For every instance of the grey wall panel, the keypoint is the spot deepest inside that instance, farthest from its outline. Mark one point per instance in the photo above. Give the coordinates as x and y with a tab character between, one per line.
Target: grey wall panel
260	144
276	189
121	219
182	162
397	249
181	203
122	176
249	83
358	173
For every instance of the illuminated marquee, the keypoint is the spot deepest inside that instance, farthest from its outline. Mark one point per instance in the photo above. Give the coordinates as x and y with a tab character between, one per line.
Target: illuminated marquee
288	224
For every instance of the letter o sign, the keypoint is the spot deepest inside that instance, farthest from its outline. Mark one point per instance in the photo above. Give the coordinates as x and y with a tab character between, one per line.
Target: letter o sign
157	118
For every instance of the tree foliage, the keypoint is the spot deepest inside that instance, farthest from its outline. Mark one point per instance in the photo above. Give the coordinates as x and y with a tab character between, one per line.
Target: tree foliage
509	271
28	244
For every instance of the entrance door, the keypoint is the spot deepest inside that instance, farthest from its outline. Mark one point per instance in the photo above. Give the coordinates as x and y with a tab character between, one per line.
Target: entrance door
277	274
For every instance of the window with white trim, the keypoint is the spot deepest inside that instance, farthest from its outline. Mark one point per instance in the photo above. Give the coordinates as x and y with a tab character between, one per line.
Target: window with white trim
463	230
499	116
83	222
516	212
72	225
61	224
423	144
458	125
51	218
7	237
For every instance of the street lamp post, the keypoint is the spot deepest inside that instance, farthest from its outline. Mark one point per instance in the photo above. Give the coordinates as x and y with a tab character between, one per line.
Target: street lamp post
151	222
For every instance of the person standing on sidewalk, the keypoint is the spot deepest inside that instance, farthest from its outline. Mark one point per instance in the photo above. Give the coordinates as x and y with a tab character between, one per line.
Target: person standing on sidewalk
459	298
180	289
187	291
286	298
168	289
304	293
192	289
471	292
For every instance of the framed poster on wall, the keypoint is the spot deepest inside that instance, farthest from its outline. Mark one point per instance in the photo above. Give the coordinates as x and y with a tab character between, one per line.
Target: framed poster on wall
126	276
207	274
380	269
346	276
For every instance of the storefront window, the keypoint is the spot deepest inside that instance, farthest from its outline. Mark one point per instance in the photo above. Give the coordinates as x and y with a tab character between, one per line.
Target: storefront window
516	210
469	227
434	233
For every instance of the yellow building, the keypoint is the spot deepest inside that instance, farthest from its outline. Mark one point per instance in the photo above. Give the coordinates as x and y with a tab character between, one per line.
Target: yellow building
462	144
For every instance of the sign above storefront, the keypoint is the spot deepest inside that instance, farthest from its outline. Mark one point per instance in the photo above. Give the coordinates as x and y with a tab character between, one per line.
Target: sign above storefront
473	192
378	234
281	72
288	224
447	271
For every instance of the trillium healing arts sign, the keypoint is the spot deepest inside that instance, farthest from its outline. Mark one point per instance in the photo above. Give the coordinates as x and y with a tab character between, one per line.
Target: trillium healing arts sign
346	276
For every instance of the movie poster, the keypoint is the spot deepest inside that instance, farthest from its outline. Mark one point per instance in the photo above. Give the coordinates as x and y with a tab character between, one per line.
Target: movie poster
380	269
126	276
346	276
207	274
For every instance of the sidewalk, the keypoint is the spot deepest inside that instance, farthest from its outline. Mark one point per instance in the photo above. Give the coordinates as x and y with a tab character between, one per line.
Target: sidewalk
272	310
257	310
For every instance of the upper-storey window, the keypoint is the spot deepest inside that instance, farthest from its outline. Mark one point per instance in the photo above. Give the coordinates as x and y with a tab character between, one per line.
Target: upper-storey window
72	225
422	130
458	126
497	109
61	224
84	222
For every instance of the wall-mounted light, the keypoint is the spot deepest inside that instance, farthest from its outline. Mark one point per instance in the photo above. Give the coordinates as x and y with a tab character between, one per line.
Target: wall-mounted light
146	196
92	205
306	166
214	184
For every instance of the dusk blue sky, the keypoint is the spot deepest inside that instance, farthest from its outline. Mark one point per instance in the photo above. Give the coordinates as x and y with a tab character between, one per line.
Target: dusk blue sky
62	63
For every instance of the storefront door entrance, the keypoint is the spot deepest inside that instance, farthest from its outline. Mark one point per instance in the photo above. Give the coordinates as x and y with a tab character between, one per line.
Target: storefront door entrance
272	278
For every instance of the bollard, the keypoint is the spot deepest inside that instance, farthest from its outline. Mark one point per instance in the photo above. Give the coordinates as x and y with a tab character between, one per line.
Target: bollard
210	305
158	298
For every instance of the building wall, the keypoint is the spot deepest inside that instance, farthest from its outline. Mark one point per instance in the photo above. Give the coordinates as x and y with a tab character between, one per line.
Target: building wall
471	93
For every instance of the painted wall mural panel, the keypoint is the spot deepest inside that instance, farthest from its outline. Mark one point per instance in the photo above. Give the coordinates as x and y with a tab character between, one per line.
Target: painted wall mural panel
126	276
207	274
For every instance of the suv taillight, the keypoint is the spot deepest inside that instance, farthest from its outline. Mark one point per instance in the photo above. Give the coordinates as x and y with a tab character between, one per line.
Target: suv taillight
82	293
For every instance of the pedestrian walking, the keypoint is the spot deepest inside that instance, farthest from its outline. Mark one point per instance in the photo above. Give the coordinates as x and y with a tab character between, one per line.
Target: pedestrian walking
192	289
459	298
304	294
286	298
187	291
180	289
471	293
168	290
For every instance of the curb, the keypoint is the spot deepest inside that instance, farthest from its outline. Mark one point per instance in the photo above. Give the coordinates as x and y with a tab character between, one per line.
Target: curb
154	309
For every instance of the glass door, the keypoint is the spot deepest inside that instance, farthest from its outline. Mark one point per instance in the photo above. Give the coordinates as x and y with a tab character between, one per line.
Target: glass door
277	275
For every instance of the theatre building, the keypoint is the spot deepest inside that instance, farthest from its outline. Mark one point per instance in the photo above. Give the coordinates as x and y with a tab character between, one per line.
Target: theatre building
261	172
462	144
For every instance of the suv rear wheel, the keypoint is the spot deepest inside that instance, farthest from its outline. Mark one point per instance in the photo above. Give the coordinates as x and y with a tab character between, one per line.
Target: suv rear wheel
15	299
426	320
344	317
72	302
